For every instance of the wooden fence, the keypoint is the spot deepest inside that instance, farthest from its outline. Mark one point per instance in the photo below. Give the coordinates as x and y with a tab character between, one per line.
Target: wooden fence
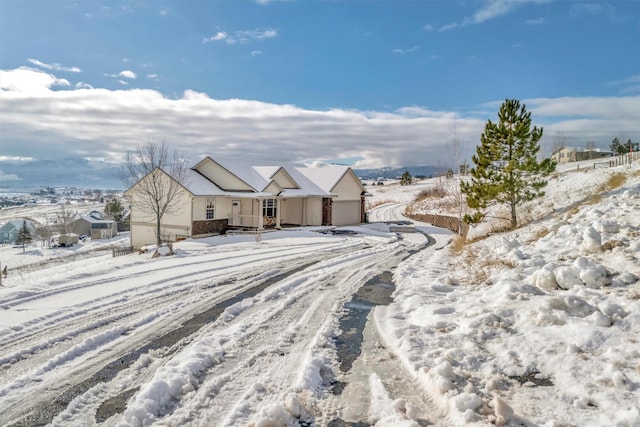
122	251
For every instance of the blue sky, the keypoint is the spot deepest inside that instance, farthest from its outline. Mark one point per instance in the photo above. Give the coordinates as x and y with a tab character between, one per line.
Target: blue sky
387	83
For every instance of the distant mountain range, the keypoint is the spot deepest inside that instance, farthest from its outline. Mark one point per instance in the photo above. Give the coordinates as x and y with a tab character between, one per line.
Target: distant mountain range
81	173
33	175
415	171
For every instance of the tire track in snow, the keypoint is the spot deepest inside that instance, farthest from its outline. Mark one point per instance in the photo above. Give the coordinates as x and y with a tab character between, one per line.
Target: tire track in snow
145	307
269	342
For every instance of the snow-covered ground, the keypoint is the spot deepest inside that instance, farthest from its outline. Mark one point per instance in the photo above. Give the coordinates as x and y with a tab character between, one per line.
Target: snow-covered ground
539	326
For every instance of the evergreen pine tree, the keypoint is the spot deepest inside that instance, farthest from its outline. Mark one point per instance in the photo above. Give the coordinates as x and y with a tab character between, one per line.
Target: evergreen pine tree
113	210
630	146
406	178
24	236
506	170
616	147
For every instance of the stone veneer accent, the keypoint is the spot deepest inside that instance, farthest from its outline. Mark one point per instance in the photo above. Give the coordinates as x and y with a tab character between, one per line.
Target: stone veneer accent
210	226
326	211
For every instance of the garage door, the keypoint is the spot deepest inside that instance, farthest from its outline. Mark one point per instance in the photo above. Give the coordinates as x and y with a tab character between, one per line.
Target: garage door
346	212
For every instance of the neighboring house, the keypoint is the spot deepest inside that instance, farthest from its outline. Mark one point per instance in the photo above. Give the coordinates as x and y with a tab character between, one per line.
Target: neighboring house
576	154
220	194
9	231
65	240
93	227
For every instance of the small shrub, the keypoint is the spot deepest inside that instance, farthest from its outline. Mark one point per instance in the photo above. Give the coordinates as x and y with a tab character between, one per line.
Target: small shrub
539	234
616	180
478	270
435	192
457	245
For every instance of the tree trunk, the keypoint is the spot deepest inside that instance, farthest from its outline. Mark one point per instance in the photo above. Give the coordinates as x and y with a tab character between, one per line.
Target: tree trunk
158	237
514	220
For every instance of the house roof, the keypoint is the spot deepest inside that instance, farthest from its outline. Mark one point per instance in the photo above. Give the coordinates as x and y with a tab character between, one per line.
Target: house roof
199	185
326	177
580	149
94	220
258	174
16	224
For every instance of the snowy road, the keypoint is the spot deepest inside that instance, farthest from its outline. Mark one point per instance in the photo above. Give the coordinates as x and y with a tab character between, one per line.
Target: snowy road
388	212
109	340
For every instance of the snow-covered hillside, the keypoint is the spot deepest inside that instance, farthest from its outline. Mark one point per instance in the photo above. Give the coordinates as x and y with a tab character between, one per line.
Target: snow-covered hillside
538	326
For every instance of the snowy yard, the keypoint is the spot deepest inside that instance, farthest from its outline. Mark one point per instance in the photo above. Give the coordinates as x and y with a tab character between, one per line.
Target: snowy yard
540	326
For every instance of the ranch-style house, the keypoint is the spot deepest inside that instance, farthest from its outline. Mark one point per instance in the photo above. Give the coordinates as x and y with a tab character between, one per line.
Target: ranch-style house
221	194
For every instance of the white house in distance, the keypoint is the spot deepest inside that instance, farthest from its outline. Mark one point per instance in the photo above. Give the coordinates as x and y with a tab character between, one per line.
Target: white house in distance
576	154
221	194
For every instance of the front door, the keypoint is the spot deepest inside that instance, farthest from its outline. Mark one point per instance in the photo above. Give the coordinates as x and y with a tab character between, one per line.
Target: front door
235	212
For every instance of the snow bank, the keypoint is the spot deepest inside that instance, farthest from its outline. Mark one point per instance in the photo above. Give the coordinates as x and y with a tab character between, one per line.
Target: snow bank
179	376
549	342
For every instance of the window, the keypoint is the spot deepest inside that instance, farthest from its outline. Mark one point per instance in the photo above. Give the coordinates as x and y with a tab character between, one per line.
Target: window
269	207
210	204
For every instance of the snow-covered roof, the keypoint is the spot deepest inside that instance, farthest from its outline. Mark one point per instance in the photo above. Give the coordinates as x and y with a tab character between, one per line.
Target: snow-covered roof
16	224
198	185
245	170
267	172
581	149
94	220
258	175
326	177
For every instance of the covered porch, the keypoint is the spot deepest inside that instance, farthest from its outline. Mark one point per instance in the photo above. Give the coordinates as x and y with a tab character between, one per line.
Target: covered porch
260	213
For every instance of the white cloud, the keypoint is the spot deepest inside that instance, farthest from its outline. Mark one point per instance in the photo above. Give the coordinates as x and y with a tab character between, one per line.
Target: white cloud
263	2
428	27
122	82
260	35
534	21
52	123
596	9
127	74
15	159
83	85
242	36
153	77
256	52
220	35
9	177
490	9
629	85
29	80
401	51
54	66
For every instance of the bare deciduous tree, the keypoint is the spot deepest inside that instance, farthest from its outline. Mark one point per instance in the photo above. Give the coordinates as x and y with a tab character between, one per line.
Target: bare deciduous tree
559	141
157	182
65	217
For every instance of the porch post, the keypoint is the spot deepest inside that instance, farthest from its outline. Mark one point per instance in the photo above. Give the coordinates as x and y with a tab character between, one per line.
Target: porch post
260	219
304	211
278	213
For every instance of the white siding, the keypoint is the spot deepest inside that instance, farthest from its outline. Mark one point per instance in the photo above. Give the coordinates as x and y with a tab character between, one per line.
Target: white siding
348	188
174	224
291	211
314	211
284	180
